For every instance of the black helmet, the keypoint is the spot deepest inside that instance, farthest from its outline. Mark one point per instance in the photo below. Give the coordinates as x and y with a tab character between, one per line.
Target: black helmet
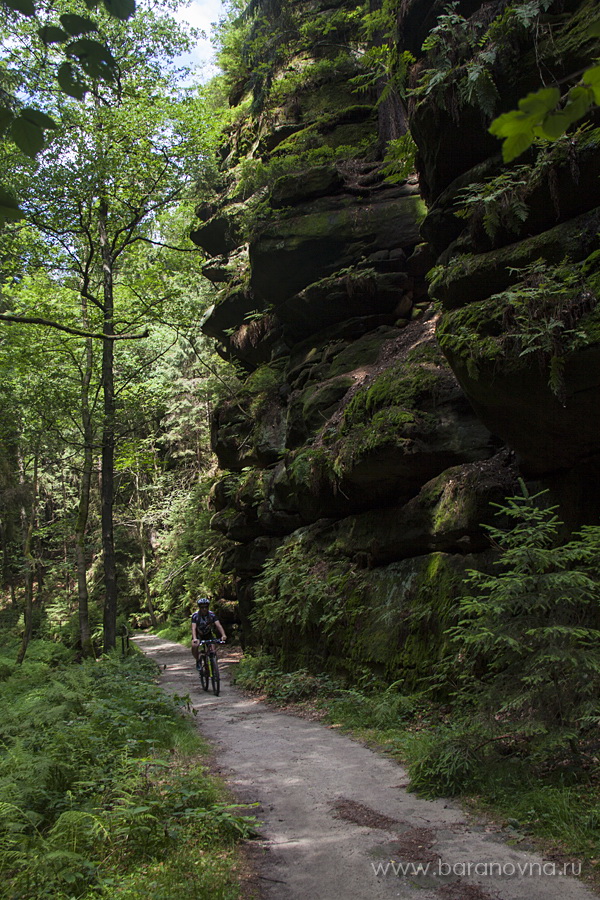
203	601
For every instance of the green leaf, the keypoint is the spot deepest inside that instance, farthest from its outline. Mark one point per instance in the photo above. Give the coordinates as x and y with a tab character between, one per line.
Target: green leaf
96	58
77	24
593	30
538	104
9	208
516	144
509	123
120	9
580	100
52	34
26	7
553	126
6	117
591	76
591	79
28	136
70	83
38	118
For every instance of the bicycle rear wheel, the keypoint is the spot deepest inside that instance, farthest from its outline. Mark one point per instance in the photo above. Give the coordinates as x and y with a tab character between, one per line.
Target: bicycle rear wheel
203	672
215	676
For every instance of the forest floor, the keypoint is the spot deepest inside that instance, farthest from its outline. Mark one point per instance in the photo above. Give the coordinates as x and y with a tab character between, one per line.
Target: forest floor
336	817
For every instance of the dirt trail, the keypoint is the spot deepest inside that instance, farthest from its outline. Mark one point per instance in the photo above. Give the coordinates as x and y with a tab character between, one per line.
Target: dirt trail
337	820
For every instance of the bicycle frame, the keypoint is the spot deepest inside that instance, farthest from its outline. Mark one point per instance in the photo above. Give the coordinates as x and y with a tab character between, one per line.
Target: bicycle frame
209	668
208	648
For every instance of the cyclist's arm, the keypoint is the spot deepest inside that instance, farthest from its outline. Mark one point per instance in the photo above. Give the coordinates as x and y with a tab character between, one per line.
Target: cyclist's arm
219	628
194	632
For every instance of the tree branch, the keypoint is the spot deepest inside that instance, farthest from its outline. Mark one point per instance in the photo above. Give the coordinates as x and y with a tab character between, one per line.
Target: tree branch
33	320
168	246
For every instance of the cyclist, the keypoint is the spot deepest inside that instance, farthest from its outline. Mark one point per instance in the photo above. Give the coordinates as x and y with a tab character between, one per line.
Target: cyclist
203	623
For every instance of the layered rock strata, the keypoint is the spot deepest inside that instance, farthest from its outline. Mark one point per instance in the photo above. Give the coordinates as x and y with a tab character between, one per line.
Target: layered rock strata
359	460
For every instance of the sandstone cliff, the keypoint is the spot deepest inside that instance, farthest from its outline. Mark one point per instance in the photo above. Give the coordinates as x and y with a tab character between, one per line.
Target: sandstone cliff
375	429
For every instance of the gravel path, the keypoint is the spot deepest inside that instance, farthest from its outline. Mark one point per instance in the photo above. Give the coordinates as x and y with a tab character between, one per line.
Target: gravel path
337	819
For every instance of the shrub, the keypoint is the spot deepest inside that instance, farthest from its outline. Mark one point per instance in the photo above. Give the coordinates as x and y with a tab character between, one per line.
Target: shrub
528	638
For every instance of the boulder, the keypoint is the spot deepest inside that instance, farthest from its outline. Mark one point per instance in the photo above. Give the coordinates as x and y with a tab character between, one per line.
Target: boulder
407	609
325	303
221	234
310	409
329	234
470	278
549	433
446	515
300	187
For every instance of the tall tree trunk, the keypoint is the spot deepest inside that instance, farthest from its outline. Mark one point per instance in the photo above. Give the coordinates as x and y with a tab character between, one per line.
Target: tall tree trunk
85	639
108	438
391	110
142	542
149	604
27	524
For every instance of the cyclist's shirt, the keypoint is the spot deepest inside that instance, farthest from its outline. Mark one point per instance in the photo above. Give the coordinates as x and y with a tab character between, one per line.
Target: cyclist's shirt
204	624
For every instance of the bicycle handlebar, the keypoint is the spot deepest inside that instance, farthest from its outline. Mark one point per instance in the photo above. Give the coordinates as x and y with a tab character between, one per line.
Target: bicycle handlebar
212	641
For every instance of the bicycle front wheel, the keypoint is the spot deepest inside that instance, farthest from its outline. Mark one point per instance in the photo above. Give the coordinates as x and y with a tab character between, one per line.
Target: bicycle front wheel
203	671
215	677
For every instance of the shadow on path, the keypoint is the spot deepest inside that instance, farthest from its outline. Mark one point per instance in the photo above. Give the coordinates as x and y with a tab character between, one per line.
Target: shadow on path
337	822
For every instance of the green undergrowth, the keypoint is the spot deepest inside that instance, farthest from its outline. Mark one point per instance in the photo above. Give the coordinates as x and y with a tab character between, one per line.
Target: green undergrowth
176	630
101	793
261	674
447	755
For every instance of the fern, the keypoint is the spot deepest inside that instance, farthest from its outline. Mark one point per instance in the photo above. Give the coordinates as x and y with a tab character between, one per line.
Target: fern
462	54
77	829
498	202
399	160
535	623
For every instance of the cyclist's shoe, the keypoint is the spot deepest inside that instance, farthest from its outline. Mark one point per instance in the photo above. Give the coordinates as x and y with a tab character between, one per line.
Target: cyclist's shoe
198	664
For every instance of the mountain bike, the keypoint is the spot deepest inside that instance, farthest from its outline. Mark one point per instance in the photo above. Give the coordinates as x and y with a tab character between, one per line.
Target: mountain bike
208	665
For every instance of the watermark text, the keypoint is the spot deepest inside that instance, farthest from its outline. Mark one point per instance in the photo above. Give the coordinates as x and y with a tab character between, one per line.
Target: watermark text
440	869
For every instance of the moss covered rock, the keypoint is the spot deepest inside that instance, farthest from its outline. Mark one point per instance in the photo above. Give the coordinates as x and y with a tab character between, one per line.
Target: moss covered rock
333	233
446	515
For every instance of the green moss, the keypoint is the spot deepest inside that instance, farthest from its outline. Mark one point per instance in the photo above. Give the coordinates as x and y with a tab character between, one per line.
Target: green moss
387	428
357	134
301	141
331	94
404	610
427	352
309	469
473	334
399	386
467	278
431	608
321	611
262	386
318	400
362	352
551	312
263	379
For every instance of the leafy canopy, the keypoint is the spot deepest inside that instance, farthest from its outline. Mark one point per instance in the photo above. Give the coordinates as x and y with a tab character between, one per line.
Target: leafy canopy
62	50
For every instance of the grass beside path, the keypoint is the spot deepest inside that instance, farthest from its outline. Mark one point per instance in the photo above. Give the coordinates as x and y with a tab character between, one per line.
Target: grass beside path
101	793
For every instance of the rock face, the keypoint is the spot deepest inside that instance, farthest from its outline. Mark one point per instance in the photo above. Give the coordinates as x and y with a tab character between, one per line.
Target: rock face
373	433
517	272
